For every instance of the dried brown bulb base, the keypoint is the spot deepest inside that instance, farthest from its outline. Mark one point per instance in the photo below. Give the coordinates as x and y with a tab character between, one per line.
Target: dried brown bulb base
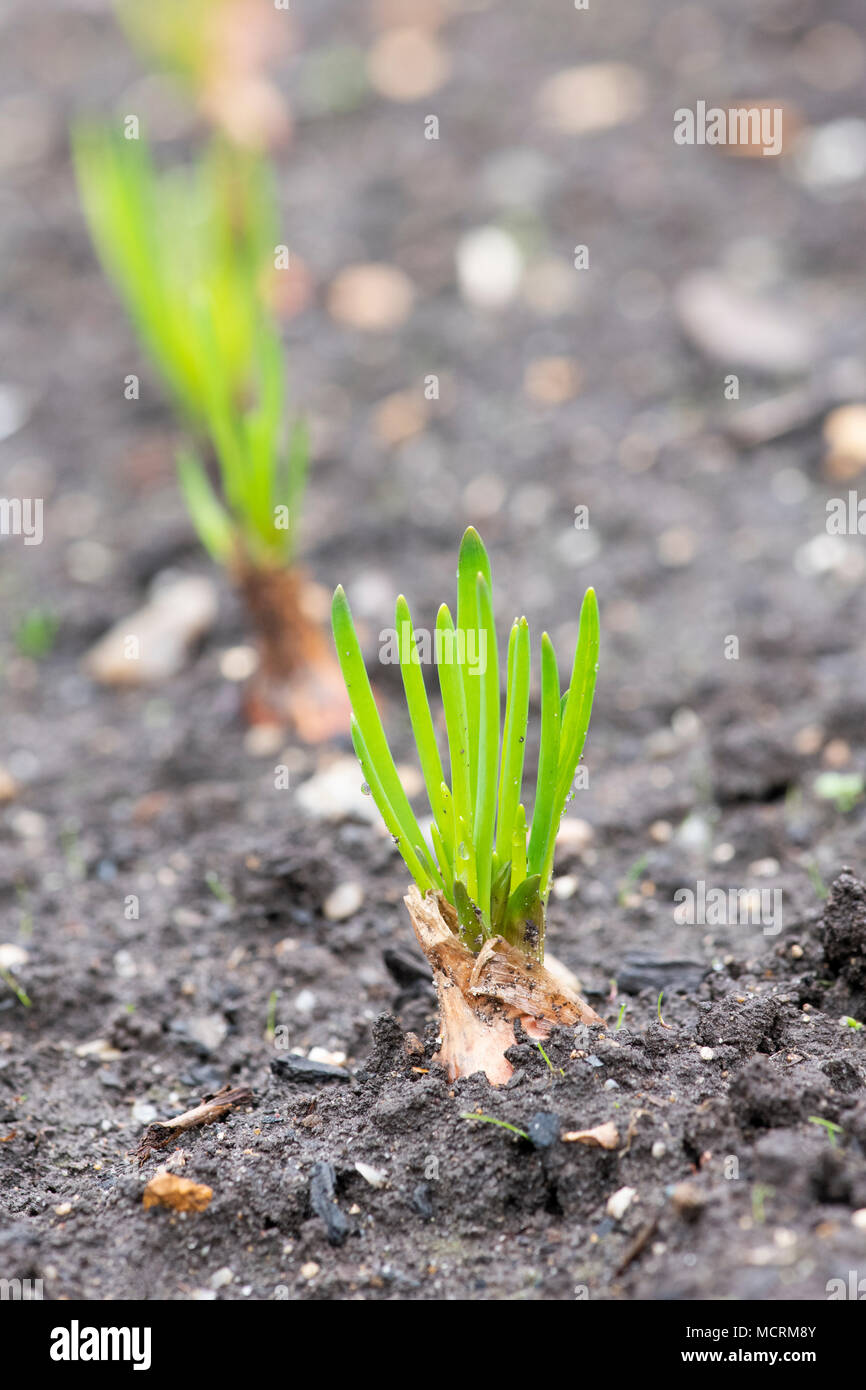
481	997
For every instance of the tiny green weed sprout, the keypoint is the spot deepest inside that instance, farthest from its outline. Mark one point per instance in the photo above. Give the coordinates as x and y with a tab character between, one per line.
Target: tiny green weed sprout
486	866
844	789
9	979
491	1120
36	633
831	1129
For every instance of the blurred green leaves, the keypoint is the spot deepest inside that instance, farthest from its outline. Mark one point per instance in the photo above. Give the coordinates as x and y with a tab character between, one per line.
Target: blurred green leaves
189	250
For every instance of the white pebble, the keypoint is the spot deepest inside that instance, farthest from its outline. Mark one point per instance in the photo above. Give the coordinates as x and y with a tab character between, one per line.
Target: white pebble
12	956
489	267
344	901
619	1202
306	1001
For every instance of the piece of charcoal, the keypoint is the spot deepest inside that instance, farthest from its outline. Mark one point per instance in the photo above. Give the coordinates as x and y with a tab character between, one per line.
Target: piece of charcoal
322	1186
303	1070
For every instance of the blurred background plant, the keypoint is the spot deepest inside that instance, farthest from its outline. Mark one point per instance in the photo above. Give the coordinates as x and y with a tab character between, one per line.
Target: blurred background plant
193	251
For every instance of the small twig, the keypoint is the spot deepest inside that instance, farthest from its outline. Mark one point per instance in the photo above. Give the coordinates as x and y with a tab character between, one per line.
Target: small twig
164	1132
637	1246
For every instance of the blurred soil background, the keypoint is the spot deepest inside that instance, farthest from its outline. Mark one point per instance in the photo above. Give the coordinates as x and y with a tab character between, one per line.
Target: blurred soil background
558	388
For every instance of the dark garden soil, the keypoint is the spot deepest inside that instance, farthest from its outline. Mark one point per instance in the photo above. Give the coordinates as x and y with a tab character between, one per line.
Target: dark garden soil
741	1109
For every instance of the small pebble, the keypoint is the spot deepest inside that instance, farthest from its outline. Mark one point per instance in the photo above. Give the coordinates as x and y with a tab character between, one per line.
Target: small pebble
707	1054
154	643
238	663
574	834
489	267
837	753
565	886
373	298
688	1200
765	868
305	1001
619	1202
221	1278
309	1270
595	96
343	902
659	1149
12	956
406	64
330	1059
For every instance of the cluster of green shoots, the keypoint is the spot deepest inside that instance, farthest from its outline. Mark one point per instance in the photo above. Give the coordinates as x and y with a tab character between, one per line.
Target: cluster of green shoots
188	250
481	855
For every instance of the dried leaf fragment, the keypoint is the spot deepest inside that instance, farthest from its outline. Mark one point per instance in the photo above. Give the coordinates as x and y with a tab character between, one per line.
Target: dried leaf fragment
180	1194
604	1136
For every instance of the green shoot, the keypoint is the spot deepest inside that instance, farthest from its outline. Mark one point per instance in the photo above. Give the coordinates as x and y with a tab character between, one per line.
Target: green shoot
271	1025
622	1009
9	979
491	1120
494	870
832	1129
844	789
659	1010
816	879
36	632
633	873
550	1065
218	888
761	1193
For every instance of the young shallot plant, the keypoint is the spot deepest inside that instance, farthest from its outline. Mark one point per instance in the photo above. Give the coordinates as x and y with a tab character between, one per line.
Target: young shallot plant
188	250
482	878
